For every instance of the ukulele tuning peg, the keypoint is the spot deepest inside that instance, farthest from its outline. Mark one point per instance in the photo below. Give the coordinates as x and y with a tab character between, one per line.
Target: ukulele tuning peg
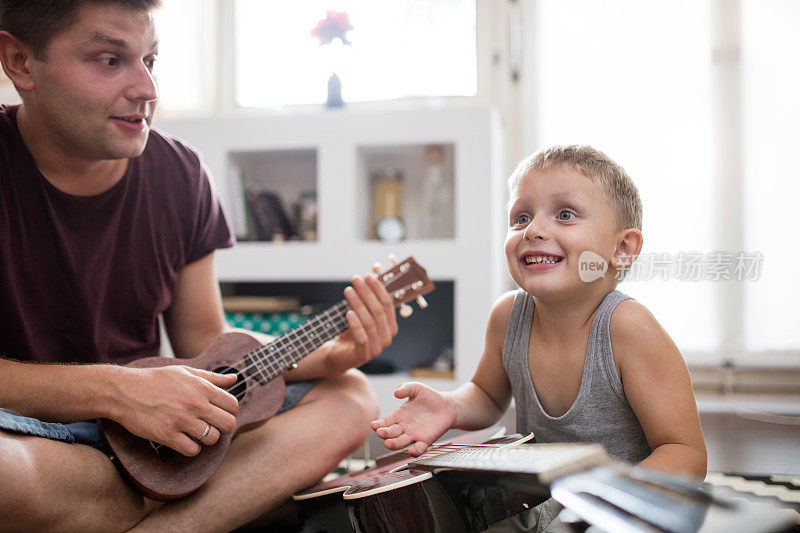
423	303
406	310
393	258
376	268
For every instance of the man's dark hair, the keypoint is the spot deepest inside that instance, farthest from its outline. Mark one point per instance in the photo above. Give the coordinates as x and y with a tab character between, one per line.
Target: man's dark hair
36	22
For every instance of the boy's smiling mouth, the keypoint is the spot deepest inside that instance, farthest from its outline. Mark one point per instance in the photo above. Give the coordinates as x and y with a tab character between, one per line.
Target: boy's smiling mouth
540	260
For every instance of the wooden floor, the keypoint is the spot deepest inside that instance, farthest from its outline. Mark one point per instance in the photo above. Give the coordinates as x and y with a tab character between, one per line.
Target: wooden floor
742	445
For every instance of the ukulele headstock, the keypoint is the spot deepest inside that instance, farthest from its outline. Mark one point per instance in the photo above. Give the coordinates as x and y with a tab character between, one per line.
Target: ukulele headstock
405	281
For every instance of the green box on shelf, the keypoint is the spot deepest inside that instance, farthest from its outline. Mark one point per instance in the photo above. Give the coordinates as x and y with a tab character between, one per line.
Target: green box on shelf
274	324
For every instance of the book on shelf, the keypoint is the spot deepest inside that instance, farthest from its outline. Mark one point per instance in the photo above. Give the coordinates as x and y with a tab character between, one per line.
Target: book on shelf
269	218
428	372
260	304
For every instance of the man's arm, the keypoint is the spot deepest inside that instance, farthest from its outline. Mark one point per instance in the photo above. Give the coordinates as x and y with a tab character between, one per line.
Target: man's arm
195	317
657	385
166	404
81	391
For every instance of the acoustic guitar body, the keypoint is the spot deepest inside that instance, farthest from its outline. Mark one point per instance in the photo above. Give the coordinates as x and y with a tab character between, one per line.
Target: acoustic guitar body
393	498
163	474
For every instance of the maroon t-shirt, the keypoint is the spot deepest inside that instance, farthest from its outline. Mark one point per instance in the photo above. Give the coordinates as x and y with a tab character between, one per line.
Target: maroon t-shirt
83	279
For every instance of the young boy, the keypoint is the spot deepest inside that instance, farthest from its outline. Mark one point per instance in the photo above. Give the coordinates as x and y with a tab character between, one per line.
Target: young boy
584	362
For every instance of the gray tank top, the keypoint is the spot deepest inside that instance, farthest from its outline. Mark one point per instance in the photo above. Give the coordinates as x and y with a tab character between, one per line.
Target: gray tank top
601	412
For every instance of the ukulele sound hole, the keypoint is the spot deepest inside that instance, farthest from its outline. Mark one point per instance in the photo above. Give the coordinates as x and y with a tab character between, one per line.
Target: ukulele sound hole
239	388
165	453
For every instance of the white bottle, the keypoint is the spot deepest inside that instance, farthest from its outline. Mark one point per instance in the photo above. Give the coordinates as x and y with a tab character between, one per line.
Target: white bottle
437	200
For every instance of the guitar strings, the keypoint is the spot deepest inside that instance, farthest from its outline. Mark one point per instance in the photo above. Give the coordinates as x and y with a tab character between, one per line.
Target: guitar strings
338	322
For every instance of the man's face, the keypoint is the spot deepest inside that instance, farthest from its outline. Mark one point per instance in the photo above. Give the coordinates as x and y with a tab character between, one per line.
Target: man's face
95	92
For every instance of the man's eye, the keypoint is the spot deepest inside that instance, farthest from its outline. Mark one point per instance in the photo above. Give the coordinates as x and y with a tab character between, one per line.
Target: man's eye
109	61
565	215
150	63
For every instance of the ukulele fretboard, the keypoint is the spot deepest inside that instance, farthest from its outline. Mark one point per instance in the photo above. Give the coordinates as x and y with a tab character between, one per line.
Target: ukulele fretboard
272	360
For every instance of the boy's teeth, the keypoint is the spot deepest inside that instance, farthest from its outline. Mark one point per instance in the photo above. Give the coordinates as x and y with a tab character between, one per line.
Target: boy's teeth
540	259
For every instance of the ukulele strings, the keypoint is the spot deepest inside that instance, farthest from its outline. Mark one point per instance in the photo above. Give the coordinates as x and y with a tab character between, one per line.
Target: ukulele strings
338	322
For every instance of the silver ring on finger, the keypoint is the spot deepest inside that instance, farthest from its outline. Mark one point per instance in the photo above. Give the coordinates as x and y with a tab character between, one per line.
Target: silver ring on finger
205	432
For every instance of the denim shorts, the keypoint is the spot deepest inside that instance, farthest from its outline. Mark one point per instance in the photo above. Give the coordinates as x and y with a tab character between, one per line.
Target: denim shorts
87	431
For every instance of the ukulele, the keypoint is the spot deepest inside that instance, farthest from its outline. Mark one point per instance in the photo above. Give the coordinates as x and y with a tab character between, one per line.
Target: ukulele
161	473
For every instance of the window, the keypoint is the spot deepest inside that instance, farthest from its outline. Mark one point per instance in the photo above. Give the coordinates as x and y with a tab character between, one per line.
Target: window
219	54
186	48
399	49
771	113
637	80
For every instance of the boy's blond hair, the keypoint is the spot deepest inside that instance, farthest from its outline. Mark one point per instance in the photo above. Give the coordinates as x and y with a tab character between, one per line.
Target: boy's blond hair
615	183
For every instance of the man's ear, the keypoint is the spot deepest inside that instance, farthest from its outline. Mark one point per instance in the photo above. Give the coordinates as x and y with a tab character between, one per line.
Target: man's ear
629	244
15	55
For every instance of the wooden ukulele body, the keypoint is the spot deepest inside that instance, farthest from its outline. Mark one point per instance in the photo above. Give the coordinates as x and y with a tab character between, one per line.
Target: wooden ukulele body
163	474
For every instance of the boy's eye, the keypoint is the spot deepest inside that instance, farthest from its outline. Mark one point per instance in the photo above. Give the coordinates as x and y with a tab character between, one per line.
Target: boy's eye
565	215
522	220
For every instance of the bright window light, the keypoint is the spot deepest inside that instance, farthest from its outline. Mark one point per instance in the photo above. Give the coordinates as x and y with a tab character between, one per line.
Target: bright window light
771	74
633	79
400	49
184	41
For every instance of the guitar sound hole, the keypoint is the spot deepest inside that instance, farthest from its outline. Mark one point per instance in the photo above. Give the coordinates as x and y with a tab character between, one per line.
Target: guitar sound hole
165	453
239	388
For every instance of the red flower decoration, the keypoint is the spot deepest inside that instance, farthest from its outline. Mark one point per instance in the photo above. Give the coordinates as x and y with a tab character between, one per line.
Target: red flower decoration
334	26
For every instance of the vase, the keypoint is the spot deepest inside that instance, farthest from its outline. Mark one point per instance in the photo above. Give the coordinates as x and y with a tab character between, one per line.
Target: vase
334	92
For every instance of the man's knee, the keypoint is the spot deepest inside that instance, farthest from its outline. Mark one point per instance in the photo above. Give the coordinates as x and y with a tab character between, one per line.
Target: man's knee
357	385
351	396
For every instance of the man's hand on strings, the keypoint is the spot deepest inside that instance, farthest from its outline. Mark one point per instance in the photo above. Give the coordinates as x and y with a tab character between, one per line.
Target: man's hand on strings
372	325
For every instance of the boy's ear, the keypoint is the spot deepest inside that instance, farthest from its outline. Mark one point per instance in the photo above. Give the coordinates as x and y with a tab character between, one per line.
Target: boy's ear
14	56
628	247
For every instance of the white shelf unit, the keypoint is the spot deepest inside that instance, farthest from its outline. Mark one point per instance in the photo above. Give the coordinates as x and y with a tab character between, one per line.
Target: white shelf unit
472	260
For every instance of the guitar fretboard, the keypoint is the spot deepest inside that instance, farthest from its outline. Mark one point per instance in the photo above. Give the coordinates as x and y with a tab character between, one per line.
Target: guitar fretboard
544	461
272	360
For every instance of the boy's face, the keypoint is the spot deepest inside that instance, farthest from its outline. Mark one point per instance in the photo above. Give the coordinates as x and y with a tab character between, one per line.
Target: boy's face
555	215
95	92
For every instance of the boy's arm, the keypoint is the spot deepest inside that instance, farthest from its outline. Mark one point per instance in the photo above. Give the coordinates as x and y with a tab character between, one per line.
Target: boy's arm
474	405
658	388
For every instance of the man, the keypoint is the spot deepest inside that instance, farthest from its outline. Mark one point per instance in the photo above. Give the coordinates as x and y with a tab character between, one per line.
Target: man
104	225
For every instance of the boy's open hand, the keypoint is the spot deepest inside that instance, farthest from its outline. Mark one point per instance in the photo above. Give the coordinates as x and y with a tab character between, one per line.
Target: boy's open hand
419	421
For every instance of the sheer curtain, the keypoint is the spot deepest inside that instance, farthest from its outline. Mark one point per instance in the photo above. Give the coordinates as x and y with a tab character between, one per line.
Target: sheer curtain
635	79
771	134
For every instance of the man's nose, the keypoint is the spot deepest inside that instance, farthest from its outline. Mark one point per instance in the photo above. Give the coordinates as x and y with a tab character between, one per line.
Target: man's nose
142	84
